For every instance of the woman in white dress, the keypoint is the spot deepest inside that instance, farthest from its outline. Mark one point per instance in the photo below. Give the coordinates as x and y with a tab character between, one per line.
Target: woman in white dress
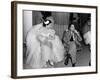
43	45
87	37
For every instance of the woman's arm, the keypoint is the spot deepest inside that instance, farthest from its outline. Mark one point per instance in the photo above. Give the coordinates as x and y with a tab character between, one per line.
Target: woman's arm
41	38
44	40
63	37
78	35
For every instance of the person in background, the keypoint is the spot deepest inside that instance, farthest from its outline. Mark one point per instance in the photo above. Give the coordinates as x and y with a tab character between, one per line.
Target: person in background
87	36
71	38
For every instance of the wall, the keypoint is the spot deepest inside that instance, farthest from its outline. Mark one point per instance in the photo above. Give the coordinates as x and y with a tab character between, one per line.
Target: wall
27	22
5	41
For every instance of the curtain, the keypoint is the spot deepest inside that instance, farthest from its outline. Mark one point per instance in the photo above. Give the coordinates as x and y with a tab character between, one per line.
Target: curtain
36	18
61	21
61	18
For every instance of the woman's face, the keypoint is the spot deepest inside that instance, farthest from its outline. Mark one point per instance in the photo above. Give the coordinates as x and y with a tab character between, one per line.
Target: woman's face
72	28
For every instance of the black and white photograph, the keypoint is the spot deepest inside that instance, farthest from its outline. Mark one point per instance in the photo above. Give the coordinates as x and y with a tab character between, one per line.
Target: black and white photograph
54	39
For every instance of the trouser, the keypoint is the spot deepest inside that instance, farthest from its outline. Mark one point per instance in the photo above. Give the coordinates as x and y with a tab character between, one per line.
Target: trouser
72	51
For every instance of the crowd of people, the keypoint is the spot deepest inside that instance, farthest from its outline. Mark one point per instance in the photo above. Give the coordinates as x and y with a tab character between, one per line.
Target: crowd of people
45	47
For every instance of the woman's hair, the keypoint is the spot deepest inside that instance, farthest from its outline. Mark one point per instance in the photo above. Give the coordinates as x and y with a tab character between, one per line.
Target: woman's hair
70	25
47	22
45	14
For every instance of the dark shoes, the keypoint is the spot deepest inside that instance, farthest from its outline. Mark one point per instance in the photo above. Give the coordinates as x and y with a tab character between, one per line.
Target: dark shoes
73	65
66	61
89	63
68	56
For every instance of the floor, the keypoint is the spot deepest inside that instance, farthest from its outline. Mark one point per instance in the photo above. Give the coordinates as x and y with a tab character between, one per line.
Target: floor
83	57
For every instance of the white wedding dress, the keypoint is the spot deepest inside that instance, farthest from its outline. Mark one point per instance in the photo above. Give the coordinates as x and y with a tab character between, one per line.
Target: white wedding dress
54	51
33	53
87	37
43	45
